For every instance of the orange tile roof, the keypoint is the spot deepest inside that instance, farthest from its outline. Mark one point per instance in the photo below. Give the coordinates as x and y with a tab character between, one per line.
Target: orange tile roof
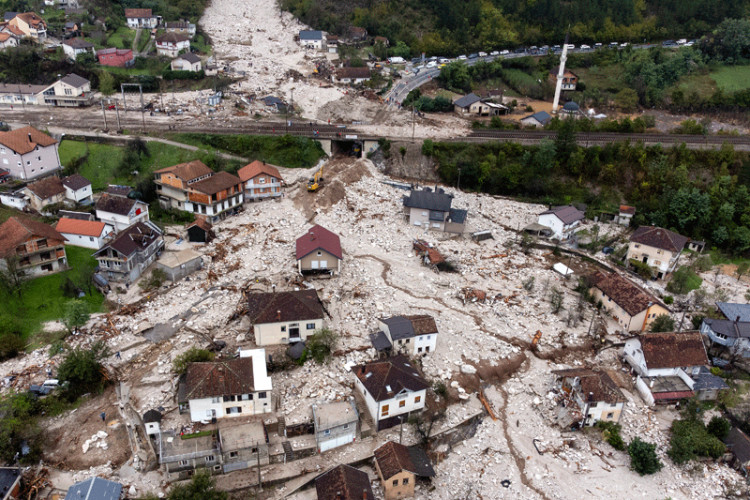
82	227
256	168
137	13
24	140
4	36
187	171
18	230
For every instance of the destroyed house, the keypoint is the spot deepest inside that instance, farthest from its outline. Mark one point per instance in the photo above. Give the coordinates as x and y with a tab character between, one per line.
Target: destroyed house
36	247
120	212
658	247
130	253
243	445
632	308
44	192
738	448
667	365
319	251
392	389
10	482
398	468
261	180
588	396
228	388
284	317
733	335
343	482
413	335
335	424
432	209
181	457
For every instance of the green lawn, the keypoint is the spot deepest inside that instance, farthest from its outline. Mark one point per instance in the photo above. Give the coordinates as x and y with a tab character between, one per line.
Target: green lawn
101	165
732	78
42	299
122	38
605	78
700	84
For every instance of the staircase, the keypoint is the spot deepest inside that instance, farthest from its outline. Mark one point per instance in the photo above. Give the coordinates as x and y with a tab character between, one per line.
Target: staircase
288	452
366	424
281	429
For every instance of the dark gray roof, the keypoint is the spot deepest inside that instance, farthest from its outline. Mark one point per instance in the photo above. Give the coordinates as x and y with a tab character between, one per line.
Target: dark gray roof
74	80
400	327
272	101
310	35
380	342
421	462
739	444
190	57
8	477
467	100
458	215
567	213
115	204
541	116
135	238
571	106
9	15
76	182
705	380
730	328
95	488
429	200
733	311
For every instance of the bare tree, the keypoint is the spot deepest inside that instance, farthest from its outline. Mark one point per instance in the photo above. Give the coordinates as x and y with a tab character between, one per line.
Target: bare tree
12	277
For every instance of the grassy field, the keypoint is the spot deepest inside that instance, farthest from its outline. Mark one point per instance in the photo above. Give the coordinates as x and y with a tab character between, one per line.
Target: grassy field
605	78
103	160
42	299
732	78
122	38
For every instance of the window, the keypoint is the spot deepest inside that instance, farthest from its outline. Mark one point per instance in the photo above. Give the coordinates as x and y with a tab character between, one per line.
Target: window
384	410
311	326
610	415
233	454
184	462
261	180
327	432
405	481
395	482
246	397
209	458
283	329
261	395
346	426
417	399
424	213
217	399
402	403
91	238
419	349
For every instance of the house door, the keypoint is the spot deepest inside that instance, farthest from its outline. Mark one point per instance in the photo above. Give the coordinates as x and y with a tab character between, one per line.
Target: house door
645	259
294	333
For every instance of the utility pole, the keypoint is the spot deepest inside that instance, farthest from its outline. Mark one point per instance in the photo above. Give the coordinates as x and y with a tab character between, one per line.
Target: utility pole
143	114
117	111
401	430
260	485
413	122
104	114
682	318
591	325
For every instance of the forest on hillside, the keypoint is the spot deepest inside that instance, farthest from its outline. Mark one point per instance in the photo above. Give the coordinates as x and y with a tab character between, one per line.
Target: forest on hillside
450	27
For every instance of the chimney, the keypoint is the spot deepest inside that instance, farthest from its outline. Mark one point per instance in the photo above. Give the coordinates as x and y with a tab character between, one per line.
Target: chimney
278	314
30	137
737	320
364	495
591	396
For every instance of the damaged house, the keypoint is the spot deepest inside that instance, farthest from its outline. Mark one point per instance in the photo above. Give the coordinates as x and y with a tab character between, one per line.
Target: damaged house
632	308
398	468
319	251
130	253
432	210
414	335
587	397
335	424
343	482
284	317
658	247
243	445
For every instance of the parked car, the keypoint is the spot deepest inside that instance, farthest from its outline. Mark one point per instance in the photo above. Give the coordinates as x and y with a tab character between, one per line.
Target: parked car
585	47
462	57
607	250
483	54
444	60
505	52
571	46
473	56
598	45
624	44
494	53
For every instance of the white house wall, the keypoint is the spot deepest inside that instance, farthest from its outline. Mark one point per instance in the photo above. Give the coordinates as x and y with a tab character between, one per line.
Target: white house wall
201	409
551	221
94	242
41	161
393	404
271	334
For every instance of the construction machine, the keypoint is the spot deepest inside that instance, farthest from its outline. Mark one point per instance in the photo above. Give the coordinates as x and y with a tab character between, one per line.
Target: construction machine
316	181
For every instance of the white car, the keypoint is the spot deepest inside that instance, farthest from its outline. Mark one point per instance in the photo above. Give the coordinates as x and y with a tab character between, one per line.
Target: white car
494	53
432	64
443	60
462	57
585	47
598	45
624	44
504	52
483	54
571	46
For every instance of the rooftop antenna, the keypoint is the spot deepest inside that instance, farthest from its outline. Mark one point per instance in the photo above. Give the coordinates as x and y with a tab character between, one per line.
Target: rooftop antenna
560	73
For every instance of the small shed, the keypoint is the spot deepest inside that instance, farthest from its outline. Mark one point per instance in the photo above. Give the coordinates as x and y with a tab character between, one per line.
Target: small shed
696	245
152	421
200	231
177	265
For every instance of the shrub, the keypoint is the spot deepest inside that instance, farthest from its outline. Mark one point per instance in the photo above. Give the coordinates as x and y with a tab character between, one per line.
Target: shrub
611	434
82	370
76	314
643	269
718	427
668	299
155	280
321	345
643	458
684	280
663	323
440	389
183	75
192	355
690	439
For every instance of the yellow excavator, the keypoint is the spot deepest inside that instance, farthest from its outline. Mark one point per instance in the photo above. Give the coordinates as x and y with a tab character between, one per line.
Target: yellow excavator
316	181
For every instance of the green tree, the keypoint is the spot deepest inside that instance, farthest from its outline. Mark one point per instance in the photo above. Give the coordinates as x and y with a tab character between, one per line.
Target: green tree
643	458
663	323
12	278
82	369
718	427
76	314
683	281
201	487
455	76
565	142
321	345
742	269
192	355
734	37
400	50
626	100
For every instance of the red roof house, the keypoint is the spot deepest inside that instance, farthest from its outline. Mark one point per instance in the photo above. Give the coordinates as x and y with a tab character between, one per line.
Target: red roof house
319	251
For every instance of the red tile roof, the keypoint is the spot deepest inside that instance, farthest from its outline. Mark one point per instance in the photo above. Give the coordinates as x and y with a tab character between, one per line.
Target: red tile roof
318	237
82	227
18	230
393	458
256	168
627	209
218	182
673	350
284	306
624	292
658	237
32	19
24	140
221	378
138	13
187	171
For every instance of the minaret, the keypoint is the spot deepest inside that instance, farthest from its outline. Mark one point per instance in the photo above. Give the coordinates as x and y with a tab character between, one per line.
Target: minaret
560	75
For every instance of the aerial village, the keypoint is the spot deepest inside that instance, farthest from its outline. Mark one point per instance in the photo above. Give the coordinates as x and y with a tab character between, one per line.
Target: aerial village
341	331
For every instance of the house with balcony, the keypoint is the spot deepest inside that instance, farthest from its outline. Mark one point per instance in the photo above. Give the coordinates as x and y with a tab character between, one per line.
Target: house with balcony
284	317
335	424
180	458
173	183
399	467
69	91
260	180
126	257
412	335
34	248
228	388
44	192
631	307
587	397
392	390
670	367
562	220
658	247
74	47
432	210
30	25
215	197
171	44
28	153
118	58
78	190
181	27
120	212
141	18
